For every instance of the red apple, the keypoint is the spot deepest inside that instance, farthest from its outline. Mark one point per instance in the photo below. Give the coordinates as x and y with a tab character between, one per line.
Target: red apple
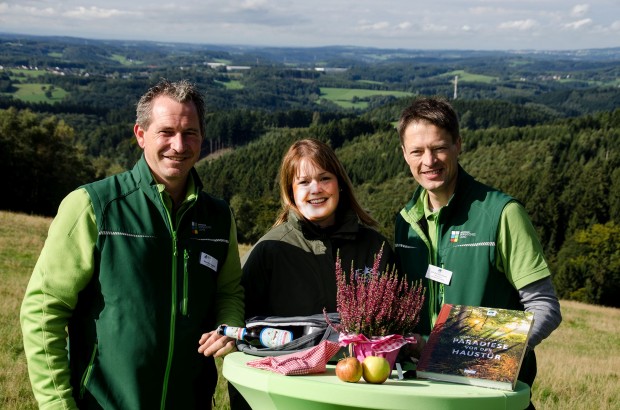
375	369
349	370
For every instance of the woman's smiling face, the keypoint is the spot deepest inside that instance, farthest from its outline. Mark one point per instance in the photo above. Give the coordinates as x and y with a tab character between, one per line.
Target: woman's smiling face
316	193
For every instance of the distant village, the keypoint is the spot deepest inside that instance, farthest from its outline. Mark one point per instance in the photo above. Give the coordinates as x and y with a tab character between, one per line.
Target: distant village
62	71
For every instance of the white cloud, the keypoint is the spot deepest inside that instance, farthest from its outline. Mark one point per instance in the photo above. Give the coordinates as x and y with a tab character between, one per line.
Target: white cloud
252	4
434	28
518	25
575	25
485	24
368	26
93	13
579	10
27	10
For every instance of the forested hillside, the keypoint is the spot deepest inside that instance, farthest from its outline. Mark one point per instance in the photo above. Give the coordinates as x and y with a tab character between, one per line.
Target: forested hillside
566	173
544	127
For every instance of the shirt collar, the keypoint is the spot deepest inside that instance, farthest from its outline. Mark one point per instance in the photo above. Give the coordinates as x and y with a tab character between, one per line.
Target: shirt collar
191	193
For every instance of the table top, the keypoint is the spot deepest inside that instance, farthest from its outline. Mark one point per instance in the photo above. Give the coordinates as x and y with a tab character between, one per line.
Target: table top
266	390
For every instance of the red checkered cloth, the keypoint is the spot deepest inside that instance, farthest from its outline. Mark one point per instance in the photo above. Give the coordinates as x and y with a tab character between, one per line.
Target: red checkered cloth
383	344
312	360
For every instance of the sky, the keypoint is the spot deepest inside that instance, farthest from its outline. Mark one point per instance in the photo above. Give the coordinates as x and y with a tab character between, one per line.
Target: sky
391	24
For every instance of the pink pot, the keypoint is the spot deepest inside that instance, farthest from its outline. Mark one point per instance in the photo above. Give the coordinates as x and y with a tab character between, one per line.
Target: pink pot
376	348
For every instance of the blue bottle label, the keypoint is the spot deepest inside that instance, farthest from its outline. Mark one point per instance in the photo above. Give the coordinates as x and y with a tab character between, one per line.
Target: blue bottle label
271	337
234	332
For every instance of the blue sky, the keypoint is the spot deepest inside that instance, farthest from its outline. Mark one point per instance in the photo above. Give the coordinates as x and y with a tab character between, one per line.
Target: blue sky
411	24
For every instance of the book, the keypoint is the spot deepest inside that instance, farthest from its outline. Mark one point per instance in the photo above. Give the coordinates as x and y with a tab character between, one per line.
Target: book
476	345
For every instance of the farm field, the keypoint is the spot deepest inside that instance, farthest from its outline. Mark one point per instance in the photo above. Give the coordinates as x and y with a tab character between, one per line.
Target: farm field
353	97
39	92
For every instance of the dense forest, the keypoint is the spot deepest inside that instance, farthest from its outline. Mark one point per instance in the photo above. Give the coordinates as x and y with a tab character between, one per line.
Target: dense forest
542	130
566	173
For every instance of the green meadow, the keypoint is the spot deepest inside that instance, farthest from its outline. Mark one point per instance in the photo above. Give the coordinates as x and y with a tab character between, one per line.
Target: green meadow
470	77
125	61
231	85
38	93
19	73
578	365
354	97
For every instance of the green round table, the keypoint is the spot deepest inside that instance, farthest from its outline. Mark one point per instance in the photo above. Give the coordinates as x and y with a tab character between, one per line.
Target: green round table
264	390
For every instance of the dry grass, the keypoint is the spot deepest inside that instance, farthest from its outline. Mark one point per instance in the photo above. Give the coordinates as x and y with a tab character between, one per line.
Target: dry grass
578	365
21	240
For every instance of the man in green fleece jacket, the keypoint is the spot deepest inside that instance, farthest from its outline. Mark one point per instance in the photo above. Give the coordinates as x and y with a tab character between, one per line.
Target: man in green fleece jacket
471	244
137	271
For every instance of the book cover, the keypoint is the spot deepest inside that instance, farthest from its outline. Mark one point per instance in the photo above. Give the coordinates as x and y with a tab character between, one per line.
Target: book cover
476	345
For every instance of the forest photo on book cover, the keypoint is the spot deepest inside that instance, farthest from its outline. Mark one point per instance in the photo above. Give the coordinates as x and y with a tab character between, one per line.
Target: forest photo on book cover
480	342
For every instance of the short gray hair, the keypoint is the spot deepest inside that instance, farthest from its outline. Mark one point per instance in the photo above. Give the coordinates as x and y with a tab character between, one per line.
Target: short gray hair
181	91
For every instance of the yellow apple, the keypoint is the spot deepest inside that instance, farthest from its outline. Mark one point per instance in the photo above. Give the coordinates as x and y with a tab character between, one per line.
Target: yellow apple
349	370
375	369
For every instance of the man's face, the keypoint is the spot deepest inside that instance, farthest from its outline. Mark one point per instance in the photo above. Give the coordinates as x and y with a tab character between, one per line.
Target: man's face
432	157
172	141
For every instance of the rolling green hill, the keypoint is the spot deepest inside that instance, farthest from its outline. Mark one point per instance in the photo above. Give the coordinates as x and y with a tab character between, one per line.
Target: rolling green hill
566	173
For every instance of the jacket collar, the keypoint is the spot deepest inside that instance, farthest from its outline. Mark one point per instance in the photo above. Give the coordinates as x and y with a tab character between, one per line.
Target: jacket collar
347	225
143	175
414	210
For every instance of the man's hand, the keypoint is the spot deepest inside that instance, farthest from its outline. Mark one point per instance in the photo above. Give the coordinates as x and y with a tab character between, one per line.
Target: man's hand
216	345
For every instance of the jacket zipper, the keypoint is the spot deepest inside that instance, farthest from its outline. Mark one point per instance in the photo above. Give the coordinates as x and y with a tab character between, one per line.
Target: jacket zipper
173	308
185	283
436	289
88	371
173	314
441	290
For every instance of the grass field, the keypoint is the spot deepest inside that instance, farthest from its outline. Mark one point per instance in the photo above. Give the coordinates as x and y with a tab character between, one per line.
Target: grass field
231	85
347	97
464	76
125	61
578	365
19	73
36	92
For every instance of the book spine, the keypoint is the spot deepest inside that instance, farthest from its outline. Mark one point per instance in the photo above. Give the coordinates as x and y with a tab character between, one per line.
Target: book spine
433	339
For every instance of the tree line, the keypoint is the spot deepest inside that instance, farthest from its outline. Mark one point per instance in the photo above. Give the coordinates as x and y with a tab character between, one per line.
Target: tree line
566	172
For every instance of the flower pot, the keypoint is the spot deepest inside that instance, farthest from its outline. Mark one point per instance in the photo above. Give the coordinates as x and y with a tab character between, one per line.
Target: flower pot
361	350
382	346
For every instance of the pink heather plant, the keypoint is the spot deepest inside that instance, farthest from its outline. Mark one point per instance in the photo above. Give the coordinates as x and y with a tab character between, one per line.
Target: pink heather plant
376	303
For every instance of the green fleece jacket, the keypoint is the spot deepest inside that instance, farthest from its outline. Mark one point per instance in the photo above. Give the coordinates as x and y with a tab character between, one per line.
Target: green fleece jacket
132	287
484	238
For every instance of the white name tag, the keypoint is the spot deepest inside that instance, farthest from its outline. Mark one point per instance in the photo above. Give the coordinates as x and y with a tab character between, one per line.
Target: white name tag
439	274
208	261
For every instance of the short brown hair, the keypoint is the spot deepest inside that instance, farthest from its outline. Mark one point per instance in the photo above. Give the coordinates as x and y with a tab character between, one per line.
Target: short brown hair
434	110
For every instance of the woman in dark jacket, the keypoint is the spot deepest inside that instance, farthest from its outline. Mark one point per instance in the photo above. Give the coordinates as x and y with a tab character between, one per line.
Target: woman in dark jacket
290	271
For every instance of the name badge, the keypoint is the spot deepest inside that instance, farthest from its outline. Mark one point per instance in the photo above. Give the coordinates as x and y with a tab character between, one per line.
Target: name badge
208	261
438	274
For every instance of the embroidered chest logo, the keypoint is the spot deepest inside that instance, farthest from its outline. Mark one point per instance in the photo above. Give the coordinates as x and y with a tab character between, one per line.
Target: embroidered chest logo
198	228
456	236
